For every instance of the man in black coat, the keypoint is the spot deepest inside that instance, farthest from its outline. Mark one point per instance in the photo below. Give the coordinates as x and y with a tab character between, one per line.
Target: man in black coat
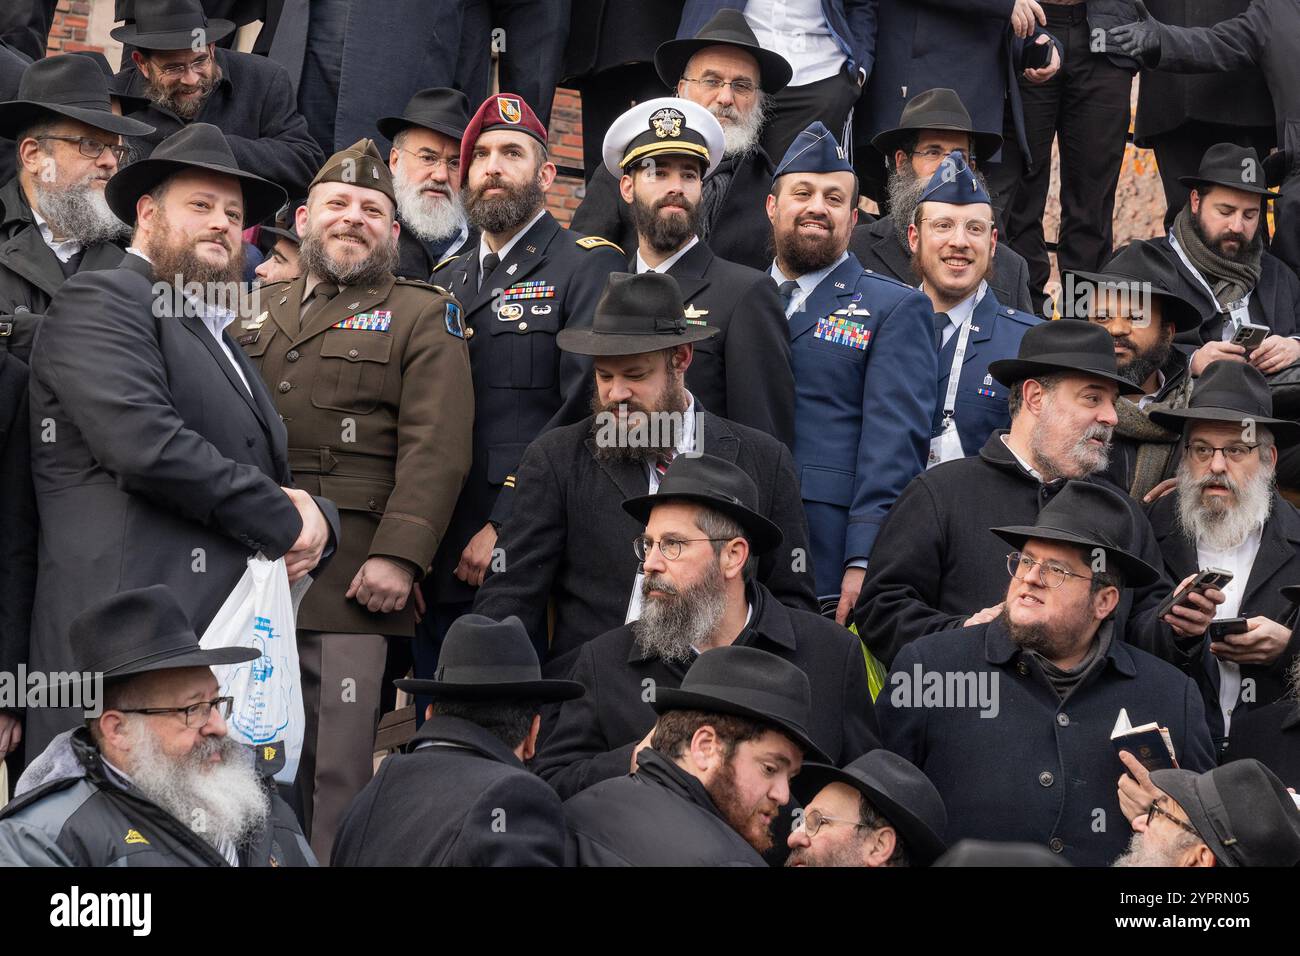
732	218
1271	734
568	539
12	65
712	775
933	124
1020	745
460	795
157	454
248	97
693	597
18	535
937	573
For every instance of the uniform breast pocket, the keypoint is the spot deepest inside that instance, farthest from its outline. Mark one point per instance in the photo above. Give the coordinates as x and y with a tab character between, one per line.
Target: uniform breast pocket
523	346
845	342
353	364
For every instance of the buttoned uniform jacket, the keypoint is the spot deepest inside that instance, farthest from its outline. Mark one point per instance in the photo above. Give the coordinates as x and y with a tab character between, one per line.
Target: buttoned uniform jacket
743	372
568	540
863	407
152	462
457	796
253	105
523	384
1041	770
379	421
593	736
1276	565
876	246
981	402
936	563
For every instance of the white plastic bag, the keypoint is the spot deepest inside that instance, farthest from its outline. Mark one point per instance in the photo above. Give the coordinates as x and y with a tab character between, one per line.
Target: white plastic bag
260	612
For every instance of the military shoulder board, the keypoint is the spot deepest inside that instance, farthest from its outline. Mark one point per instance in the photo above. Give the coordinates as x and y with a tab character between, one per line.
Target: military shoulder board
595	242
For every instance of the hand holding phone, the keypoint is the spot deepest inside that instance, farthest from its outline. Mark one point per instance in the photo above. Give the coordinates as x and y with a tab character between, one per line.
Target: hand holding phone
1207	578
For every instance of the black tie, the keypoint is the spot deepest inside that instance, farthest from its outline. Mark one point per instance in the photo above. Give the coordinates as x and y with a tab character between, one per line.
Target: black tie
941	321
787	289
490	263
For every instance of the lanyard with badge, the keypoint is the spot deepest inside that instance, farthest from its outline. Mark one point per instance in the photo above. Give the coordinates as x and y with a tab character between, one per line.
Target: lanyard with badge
946	446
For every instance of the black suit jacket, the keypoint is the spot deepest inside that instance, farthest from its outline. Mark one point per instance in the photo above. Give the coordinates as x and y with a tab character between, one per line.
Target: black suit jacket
569	539
458	796
1272	736
152	463
417	258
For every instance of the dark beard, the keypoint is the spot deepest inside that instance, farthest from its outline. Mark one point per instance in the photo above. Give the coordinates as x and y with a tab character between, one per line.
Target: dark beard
805	254
666	234
905	190
502	213
169	100
671	399
1147	362
726	797
313	260
177	262
1246	252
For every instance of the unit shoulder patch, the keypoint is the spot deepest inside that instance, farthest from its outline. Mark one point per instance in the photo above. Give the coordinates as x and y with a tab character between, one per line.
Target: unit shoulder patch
595	242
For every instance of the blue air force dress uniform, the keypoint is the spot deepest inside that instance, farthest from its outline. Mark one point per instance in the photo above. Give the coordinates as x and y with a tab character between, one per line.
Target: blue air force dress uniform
865	370
975	332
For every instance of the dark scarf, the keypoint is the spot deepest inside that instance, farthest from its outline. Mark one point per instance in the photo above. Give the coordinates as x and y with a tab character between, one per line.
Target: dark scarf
1228	279
1064	681
1154	443
714	193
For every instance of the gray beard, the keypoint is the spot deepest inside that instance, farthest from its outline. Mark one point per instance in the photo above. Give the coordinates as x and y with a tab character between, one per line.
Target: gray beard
1140	852
1220	526
425	214
79	212
222	803
313	260
669	627
740	137
1079	462
905	190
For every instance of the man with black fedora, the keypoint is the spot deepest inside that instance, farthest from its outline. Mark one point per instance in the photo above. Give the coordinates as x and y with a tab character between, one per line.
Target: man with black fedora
934	124
1236	815
459	794
142	480
181	76
566	540
725	70
151	778
1135	299
1020	748
933	571
279	246
697	539
713	775
425	162
1226	512
877	811
662	150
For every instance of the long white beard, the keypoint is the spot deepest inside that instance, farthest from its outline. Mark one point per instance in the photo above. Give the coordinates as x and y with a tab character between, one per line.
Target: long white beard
429	216
80	212
1219	525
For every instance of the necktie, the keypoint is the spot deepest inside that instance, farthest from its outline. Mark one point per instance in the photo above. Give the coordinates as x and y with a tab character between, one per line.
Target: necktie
941	322
662	463
321	296
490	262
787	289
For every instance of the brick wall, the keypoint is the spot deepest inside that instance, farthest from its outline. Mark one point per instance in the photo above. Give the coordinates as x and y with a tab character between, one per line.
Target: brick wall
566	150
70	31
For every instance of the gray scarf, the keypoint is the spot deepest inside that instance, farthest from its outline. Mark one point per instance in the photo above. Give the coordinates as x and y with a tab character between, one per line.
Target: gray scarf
714	193
1228	279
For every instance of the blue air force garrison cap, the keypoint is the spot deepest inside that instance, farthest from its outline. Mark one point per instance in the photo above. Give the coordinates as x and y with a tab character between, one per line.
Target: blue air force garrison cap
953	182
814	151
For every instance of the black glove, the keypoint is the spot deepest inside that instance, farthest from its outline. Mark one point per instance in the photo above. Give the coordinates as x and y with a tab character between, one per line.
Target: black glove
1140	39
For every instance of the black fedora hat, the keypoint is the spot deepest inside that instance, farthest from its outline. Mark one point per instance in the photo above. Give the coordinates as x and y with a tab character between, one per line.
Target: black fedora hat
939	108
1078	347
140	631
747	682
902	793
1234	393
67	85
1141	269
439	108
729	27
198	146
1091	516
985	853
716	484
636	314
171	25
1241	810
1227	164
483	659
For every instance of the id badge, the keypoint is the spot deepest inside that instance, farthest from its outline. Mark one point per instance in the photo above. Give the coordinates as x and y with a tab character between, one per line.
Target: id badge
946	446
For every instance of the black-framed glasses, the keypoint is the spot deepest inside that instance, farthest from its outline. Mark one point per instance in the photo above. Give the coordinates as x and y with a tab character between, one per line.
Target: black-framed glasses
1203	451
1156	808
90	148
431	160
670	548
938	152
177	70
741	87
1021	566
196	715
814	820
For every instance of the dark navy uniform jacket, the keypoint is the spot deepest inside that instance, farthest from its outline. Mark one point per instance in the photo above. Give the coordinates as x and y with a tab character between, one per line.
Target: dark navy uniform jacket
865	372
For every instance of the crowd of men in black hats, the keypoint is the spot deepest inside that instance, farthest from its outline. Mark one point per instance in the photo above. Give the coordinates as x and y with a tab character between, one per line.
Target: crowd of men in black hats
731	525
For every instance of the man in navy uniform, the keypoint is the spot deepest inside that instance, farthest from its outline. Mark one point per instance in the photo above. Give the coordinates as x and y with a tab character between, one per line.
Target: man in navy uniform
953	238
662	150
865	365
525	279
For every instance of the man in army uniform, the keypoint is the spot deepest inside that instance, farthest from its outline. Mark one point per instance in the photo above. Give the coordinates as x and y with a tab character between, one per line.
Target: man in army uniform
371	376
525	280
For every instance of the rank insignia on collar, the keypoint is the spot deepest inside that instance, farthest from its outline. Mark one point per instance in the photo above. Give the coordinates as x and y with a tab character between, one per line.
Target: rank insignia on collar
513	267
694	313
530	248
839	285
256	323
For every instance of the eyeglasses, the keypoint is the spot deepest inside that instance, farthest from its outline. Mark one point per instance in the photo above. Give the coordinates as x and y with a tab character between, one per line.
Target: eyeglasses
1204	451
1156	808
177	70
1020	566
670	548
740	88
975	228
91	148
196	715
433	160
814	820
938	152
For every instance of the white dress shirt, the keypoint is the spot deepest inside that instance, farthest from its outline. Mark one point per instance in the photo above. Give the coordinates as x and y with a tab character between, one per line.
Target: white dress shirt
65	249
797	29
807	282
643	266
962	311
1239	561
